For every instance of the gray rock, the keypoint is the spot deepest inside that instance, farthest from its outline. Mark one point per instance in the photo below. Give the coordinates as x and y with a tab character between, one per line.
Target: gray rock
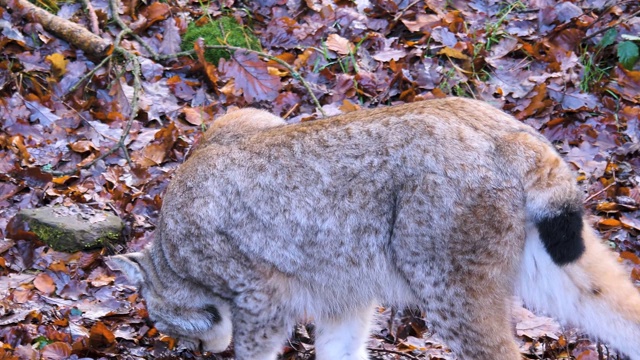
72	229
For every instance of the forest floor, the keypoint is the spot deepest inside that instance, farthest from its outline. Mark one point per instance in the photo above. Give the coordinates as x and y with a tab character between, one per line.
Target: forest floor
111	140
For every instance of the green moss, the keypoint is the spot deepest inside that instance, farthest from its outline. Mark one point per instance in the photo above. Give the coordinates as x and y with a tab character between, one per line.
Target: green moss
58	240
108	238
223	31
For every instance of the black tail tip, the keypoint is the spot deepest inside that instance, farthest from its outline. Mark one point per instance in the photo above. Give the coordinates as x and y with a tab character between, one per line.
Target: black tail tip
561	235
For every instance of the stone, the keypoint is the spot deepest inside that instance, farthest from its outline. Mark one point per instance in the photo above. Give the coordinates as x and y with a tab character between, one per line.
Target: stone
70	229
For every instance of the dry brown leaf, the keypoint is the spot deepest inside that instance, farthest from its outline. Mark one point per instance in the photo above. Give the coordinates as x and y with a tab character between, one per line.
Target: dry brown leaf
628	255
630	222
426	21
209	69
100	336
607	206
82	146
155	12
44	283
251	75
193	116
348	106
56	351
609	223
538	102
340	45
454	53
58	64
276	72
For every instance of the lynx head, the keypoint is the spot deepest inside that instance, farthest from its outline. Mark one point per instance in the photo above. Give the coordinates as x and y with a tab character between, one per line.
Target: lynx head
185	311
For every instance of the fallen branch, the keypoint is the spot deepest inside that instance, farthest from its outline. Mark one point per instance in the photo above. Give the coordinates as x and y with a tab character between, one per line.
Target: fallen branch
75	34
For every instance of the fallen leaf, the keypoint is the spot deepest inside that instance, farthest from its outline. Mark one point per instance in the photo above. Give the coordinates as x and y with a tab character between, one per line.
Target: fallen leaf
609	223
339	44
629	222
155	12
56	351
454	53
41	114
100	336
58	64
252	76
44	283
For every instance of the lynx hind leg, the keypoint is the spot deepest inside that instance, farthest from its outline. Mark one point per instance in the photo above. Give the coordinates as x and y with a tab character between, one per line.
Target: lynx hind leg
260	326
465	286
344	337
475	323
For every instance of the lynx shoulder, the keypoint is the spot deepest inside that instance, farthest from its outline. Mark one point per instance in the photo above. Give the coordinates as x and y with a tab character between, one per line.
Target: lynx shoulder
449	204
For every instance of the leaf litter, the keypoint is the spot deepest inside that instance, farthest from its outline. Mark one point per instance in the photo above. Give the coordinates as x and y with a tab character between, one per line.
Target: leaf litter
559	66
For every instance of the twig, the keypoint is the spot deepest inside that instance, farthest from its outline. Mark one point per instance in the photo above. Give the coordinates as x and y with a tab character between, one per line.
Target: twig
127	30
401	12
93	18
605	11
409	356
87	76
120	145
598	193
293	108
606	28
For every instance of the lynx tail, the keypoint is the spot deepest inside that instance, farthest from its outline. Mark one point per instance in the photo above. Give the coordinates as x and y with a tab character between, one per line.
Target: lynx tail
566	270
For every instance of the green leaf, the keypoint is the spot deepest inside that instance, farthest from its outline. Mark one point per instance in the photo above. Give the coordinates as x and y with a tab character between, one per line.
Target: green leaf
76	312
630	37
608	38
627	54
41	342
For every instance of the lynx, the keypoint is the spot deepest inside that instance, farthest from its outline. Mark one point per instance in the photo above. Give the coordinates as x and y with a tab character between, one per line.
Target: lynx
449	204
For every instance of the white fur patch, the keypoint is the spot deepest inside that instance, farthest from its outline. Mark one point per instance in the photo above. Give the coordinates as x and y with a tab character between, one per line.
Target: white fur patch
344	338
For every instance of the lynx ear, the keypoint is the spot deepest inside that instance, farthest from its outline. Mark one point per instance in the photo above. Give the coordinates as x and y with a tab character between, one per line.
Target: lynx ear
130	265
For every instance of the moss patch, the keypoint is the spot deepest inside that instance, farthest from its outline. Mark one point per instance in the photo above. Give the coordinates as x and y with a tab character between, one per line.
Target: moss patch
223	31
58	239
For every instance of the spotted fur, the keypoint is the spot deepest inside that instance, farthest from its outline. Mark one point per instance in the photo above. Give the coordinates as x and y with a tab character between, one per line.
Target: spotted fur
449	204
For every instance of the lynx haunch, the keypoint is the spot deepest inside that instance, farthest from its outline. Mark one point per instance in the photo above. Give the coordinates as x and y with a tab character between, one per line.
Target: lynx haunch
449	204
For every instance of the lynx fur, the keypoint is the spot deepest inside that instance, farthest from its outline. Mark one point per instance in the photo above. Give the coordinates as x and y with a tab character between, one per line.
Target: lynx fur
449	204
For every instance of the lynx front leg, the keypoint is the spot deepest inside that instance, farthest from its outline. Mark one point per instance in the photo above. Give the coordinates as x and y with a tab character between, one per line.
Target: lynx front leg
344	338
260	328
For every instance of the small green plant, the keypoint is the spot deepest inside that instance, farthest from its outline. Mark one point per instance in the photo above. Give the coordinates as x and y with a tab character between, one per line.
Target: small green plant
223	31
593	69
493	30
596	66
345	62
452	84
